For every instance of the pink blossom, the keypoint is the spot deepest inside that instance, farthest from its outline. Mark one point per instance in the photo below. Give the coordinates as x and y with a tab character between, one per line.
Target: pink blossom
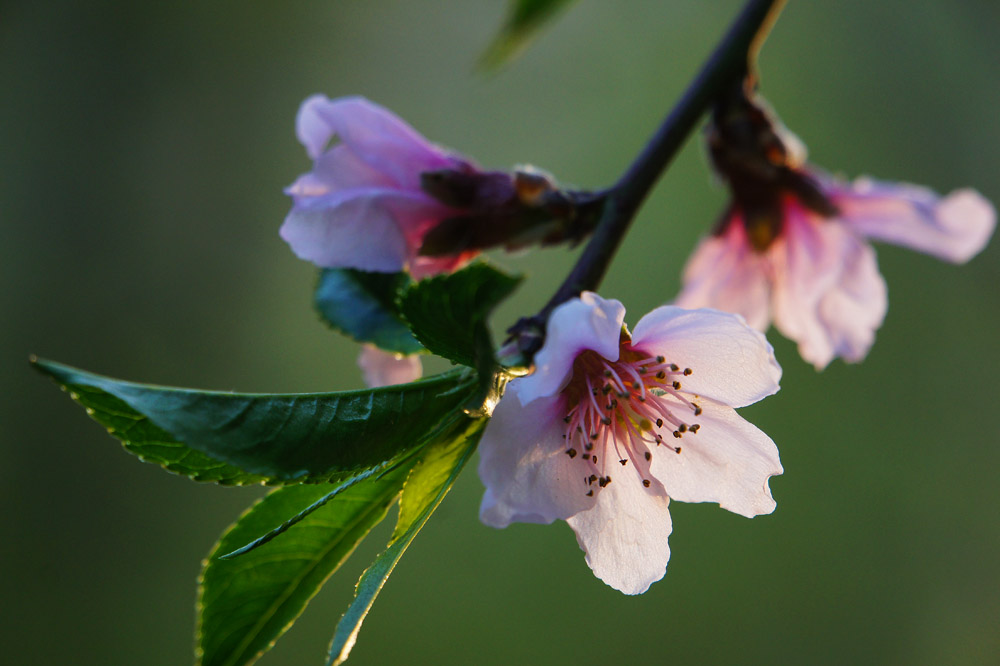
382	368
610	426
363	206
814	272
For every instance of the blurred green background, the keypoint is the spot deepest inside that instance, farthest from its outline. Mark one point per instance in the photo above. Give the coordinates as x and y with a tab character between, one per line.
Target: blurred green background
143	148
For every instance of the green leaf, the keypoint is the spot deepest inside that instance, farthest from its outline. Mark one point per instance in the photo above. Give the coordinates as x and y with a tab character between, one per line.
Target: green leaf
448	313
524	19
306	437
246	603
428	483
363	306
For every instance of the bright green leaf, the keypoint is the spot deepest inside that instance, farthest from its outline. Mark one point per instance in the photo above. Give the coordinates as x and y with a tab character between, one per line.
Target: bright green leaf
246	603
363	306
448	313
308	437
428	483
524	19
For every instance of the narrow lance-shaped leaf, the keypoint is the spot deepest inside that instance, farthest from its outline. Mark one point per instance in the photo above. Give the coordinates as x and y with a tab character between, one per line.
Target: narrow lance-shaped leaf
524	19
426	486
363	306
307	437
246	603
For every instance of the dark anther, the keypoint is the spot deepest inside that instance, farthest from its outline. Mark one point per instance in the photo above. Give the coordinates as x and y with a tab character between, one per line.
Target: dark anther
649	456
659	423
677	386
645	483
571	453
695	427
688	371
623	461
697	410
677	434
674	367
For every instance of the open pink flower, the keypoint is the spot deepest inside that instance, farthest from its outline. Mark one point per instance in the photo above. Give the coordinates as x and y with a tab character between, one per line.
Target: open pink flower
611	426
363	205
793	245
383	368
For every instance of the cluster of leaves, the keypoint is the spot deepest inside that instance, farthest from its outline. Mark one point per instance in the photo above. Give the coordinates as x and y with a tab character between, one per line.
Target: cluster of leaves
339	460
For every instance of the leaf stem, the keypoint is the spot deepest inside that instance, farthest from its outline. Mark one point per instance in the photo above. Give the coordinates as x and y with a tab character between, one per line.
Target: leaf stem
732	59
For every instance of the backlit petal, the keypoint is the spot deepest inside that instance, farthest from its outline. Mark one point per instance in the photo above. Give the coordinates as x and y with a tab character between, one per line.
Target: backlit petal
524	466
728	461
625	535
954	228
587	322
730	361
725	273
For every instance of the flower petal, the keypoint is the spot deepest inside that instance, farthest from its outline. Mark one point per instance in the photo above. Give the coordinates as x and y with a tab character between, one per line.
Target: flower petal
336	170
524	466
728	461
375	135
730	361
855	307
954	228
815	259
625	535
352	229
382	368
726	274
587	322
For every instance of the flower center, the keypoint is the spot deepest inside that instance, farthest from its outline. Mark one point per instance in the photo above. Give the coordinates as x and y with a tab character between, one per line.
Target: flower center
623	411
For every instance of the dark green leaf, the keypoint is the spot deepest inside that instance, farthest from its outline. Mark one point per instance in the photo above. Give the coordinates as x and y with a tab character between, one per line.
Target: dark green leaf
308	437
426	486
363	306
448	313
524	19
246	603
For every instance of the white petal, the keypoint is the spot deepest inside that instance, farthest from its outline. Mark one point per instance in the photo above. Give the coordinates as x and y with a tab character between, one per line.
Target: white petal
587	322
524	466
954	228
625	535
382	368
727	461
725	273
730	361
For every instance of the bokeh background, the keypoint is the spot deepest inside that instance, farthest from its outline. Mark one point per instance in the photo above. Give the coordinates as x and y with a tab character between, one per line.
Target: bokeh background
143	148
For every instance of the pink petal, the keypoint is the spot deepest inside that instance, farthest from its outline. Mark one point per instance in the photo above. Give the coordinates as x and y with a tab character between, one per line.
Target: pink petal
817	258
625	535
727	461
730	362
954	228
524	466
374	134
725	273
855	307
382	368
587	322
